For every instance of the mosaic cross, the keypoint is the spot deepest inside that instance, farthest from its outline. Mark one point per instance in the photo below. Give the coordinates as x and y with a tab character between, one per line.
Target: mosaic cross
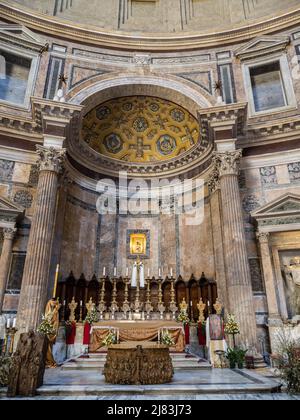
189	135
140	147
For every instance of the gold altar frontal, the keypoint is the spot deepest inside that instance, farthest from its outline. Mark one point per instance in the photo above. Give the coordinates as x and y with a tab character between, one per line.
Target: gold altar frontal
142	332
138	364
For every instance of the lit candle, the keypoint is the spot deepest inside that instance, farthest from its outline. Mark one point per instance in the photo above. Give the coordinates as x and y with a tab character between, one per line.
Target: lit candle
208	303
191	303
56	281
104	271
64	304
14	322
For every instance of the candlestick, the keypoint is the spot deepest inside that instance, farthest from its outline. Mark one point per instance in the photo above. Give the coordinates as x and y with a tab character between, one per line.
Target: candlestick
159	273
56	281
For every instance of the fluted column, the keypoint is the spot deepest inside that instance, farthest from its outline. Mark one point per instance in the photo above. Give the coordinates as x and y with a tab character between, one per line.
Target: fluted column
5	260
36	271
263	238
239	285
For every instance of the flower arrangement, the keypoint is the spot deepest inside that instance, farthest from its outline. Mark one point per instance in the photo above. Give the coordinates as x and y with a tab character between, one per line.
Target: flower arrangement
110	339
92	316
167	340
183	317
46	328
232	327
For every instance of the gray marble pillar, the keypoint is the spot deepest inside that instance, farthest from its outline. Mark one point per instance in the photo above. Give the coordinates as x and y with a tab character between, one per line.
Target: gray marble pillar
5	261
239	285
36	271
263	239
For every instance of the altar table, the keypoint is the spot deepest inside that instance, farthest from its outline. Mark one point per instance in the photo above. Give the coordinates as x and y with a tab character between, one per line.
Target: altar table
137	331
136	364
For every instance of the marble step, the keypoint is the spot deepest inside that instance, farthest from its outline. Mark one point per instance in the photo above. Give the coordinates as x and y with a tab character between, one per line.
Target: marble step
97	362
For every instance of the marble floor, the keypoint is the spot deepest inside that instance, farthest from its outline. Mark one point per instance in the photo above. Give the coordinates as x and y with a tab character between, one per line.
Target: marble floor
187	385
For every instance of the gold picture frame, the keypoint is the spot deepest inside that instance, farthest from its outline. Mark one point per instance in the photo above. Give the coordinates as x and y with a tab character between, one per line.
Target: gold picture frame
138	244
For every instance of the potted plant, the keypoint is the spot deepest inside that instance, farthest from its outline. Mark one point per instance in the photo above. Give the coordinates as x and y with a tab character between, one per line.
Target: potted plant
231	356
241	357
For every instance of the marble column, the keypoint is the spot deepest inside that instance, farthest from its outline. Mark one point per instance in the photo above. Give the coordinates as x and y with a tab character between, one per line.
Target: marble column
239	285
5	260
263	239
36	271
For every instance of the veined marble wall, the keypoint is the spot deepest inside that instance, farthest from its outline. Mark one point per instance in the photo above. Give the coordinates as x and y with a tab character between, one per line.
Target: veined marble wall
92	241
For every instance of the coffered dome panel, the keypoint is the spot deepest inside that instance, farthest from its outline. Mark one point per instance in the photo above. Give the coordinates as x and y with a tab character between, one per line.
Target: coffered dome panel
140	129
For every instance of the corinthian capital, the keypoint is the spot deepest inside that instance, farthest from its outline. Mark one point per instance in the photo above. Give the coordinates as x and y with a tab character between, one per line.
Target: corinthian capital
9	233
263	237
227	163
51	159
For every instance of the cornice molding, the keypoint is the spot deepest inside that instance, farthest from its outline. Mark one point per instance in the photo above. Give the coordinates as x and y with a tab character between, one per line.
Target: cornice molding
156	42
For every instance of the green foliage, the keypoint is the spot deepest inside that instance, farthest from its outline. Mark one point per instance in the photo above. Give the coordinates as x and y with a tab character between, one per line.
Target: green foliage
236	356
5	364
92	317
167	340
289	362
110	339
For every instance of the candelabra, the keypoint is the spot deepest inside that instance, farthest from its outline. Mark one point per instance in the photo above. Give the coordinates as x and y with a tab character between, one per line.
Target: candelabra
10	341
72	306
148	306
161	307
126	305
102	306
114	306
201	308
173	306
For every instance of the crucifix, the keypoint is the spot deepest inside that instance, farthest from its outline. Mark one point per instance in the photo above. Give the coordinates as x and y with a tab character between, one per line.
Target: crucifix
140	147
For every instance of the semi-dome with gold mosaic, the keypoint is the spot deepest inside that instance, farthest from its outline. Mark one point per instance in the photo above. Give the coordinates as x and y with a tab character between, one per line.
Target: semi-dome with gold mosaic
140	129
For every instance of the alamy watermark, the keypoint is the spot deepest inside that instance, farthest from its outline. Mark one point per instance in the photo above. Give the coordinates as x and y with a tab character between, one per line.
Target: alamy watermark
152	197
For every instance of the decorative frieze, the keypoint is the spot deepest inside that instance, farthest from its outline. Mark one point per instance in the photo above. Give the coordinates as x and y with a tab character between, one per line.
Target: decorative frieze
51	159
6	170
23	198
294	171
250	203
268	175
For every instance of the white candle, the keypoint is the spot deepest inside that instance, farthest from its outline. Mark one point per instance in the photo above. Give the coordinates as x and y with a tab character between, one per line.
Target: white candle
191	303
64	303
8	323
15	323
104	271
115	271
127	272
208	303
171	272
159	273
148	273
81	303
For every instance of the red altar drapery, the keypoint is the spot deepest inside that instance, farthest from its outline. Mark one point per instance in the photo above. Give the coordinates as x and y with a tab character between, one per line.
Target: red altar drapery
86	334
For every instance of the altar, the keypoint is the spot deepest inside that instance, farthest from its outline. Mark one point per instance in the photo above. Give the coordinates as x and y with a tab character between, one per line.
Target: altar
137	331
